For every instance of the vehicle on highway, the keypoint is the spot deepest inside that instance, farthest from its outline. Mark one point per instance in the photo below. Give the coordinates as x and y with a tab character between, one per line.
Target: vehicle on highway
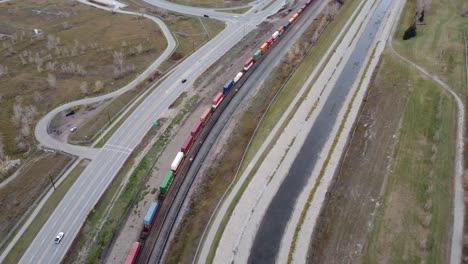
206	15
59	237
73	129
184	80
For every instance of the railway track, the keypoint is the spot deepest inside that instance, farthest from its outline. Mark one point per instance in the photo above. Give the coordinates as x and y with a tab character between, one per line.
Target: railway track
186	175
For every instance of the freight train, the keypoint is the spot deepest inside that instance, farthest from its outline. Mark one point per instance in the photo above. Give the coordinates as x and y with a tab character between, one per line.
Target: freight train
198	127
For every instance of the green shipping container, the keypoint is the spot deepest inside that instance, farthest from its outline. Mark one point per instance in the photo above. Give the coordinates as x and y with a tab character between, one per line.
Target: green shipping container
166	182
257	54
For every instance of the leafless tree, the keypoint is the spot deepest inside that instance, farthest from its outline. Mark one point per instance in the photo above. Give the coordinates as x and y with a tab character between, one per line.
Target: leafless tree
84	88
3	70
65	52
38	98
50	66
98	85
51	42
2	151
119	60
139	48
51	80
66	25
80	70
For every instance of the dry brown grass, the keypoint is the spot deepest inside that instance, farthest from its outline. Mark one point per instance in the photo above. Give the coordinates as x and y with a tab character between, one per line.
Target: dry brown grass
85	45
18	195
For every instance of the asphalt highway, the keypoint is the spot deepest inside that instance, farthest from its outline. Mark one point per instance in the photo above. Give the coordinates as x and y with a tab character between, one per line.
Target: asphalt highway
72	211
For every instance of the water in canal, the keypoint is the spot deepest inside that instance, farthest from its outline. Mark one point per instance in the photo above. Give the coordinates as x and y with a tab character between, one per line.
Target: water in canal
268	238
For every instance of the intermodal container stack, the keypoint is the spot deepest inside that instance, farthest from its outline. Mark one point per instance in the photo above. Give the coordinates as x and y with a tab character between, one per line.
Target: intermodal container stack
148	220
187	144
178	160
133	254
166	183
248	64
228	86
196	129
217	100
205	116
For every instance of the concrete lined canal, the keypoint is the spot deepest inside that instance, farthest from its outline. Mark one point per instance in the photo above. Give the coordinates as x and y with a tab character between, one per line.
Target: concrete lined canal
268	238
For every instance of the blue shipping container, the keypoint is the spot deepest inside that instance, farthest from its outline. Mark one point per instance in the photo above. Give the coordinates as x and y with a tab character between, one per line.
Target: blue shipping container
228	86
150	214
286	25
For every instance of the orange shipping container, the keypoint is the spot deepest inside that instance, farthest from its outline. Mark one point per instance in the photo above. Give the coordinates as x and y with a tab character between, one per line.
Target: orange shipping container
291	20
264	47
296	16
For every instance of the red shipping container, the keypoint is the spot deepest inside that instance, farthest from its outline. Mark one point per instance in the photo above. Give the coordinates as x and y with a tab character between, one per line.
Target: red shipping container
196	128
281	29
217	100
133	254
248	62
270	40
205	116
187	145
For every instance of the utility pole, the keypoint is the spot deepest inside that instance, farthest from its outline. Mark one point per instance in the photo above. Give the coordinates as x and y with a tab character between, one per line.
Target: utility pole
52	181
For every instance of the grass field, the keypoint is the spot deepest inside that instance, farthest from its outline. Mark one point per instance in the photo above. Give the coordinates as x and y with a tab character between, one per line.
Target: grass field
236	11
19	194
82	51
190	32
30	233
212	3
438	46
402	214
414	220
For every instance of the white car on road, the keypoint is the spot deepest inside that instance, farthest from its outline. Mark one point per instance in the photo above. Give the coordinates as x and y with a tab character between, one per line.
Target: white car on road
59	237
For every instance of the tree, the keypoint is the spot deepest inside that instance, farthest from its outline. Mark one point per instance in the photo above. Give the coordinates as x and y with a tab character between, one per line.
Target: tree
139	48
410	32
3	70
84	88
421	17
98	85
2	152
51	80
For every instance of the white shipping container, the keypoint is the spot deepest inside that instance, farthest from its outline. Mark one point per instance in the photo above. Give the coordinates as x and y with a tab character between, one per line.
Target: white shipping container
238	76
177	160
275	35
